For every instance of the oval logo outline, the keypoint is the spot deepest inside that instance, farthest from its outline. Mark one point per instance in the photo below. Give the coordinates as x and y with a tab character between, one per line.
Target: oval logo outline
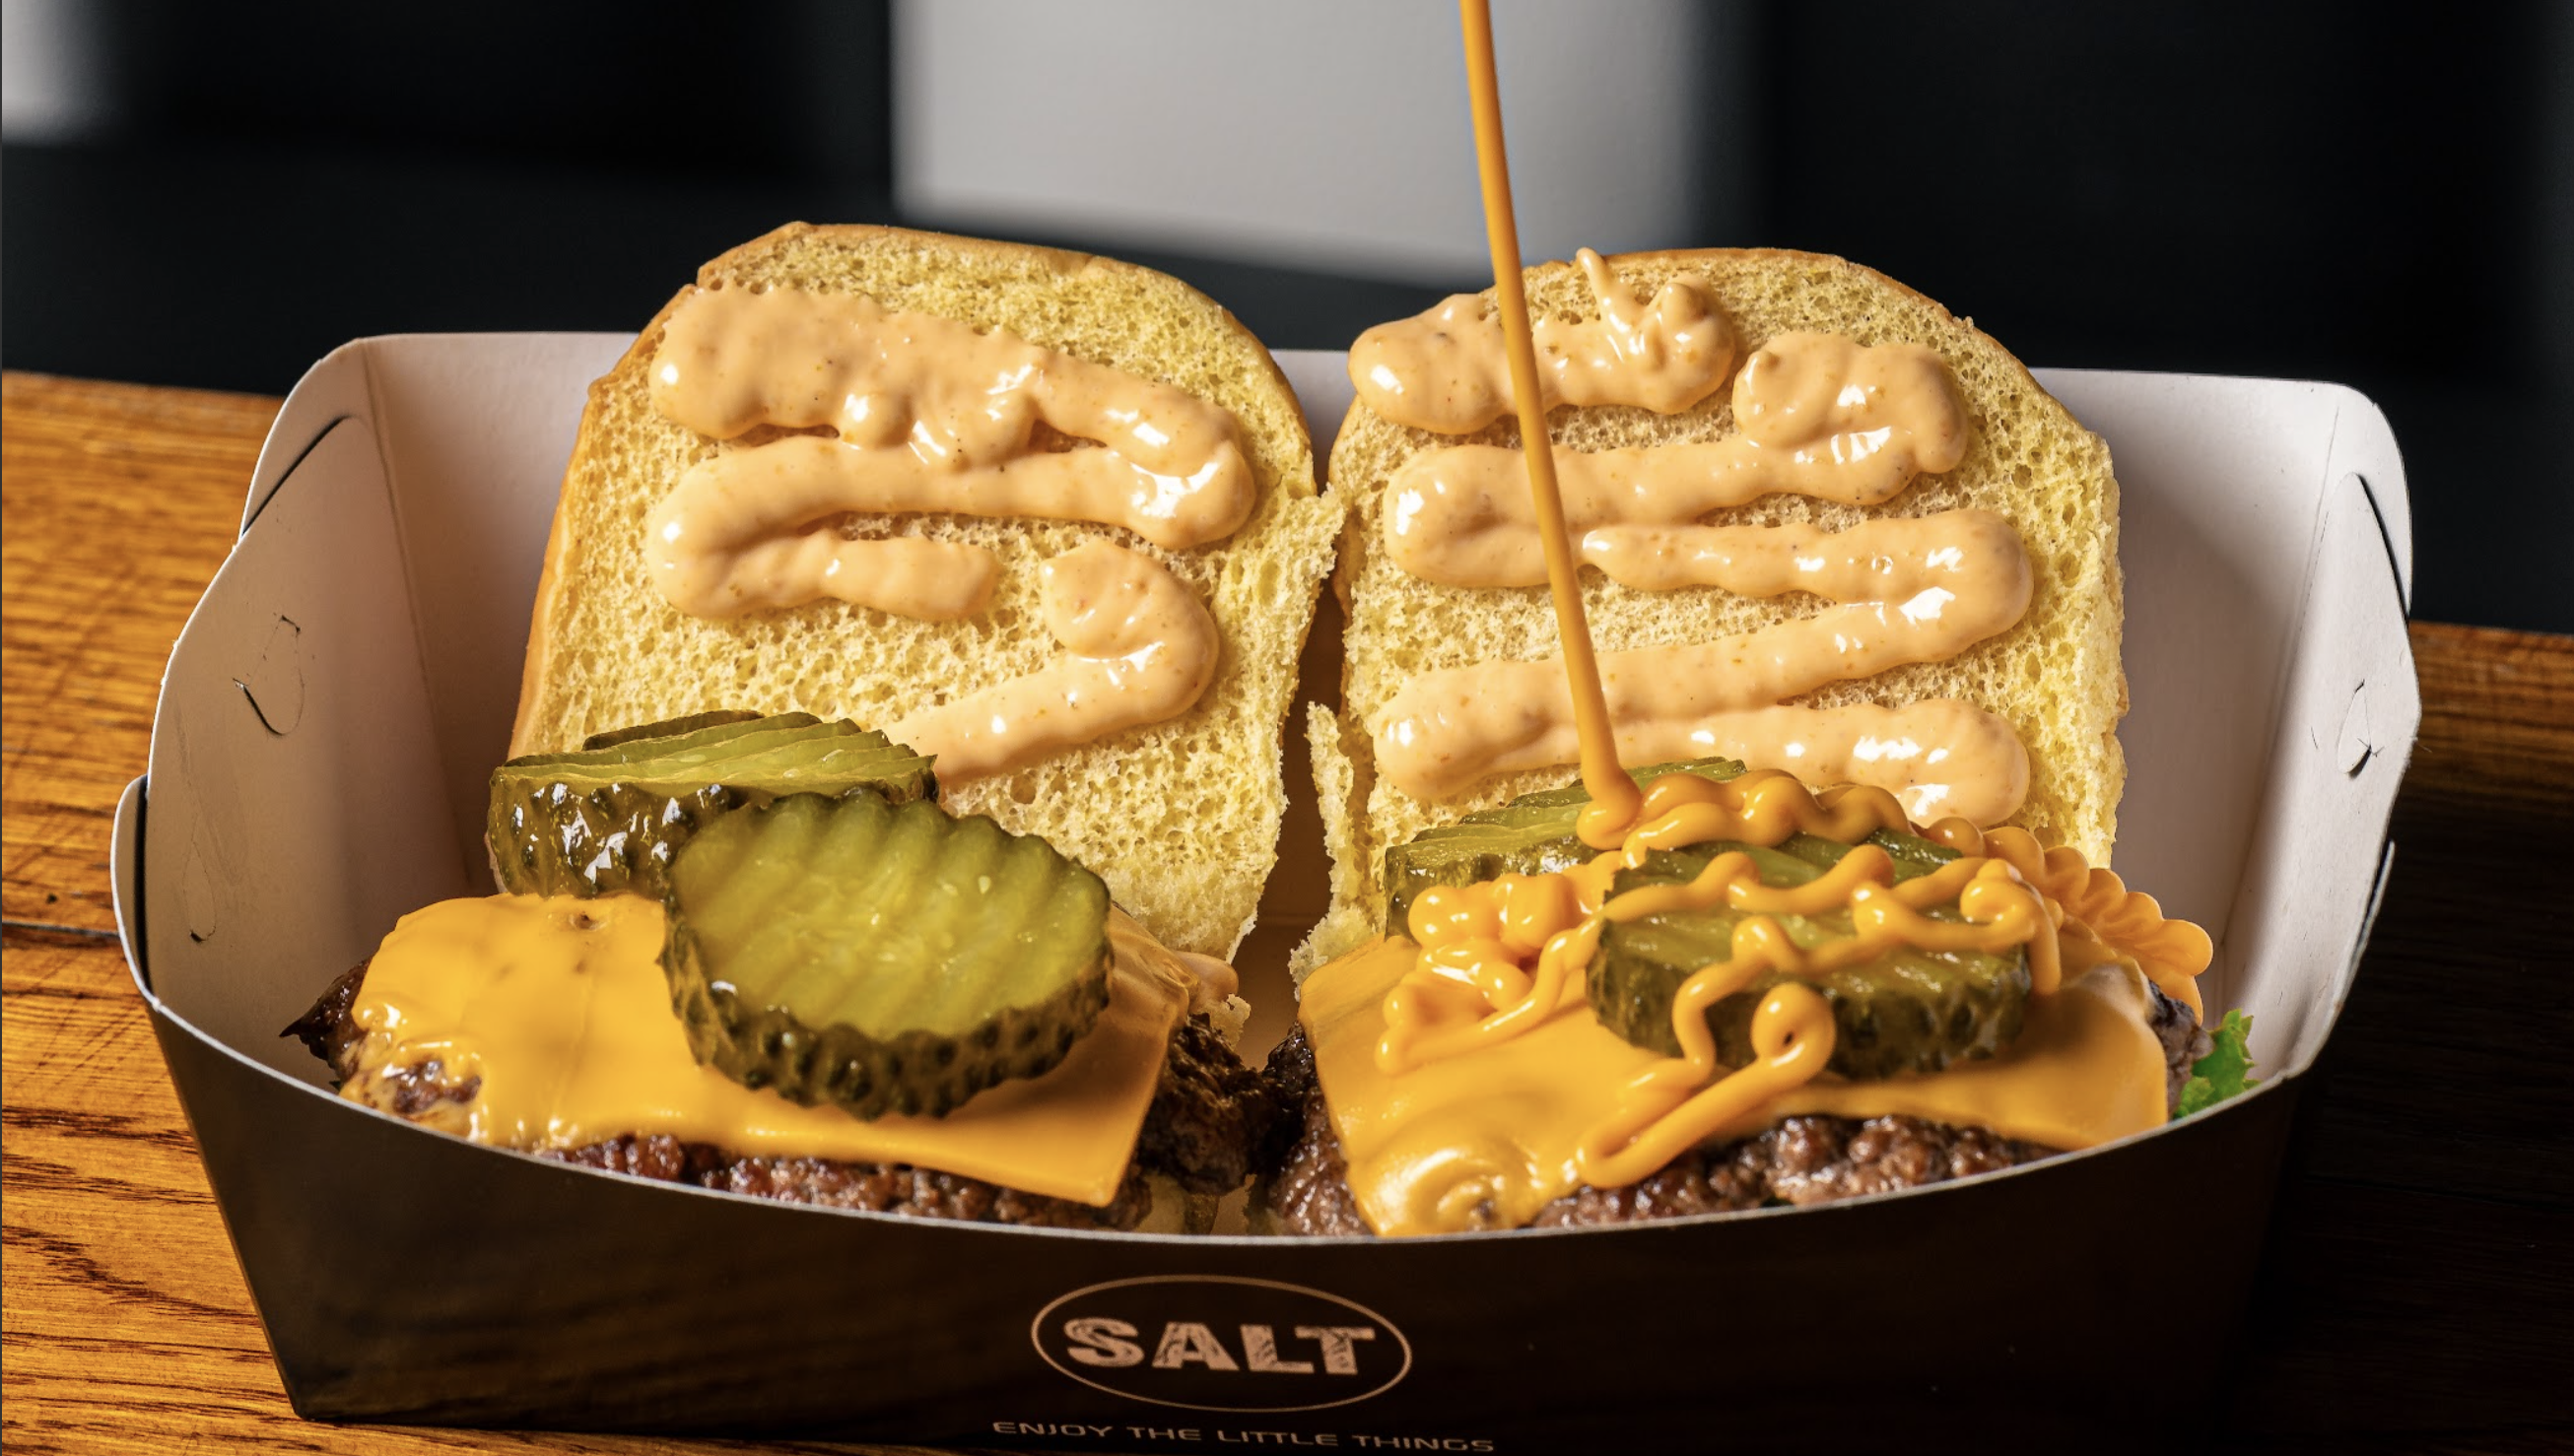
1037	1332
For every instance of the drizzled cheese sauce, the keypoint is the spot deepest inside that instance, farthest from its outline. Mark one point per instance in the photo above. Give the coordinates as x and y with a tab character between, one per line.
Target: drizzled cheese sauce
1471	1084
1485	1141
1467	1079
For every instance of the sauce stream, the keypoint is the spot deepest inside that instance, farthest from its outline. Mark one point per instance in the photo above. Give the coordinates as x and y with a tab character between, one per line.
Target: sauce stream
1613	798
1479	1098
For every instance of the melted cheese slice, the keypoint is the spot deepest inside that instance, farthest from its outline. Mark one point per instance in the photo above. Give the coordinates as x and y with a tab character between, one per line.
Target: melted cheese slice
1481	1139
559	1007
1485	1139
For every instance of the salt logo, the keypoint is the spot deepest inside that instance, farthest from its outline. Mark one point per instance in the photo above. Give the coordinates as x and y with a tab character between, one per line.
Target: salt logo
1215	1342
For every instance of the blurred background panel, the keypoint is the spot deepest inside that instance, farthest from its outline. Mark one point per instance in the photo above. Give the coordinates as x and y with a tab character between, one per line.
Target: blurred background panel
2373	193
1327	134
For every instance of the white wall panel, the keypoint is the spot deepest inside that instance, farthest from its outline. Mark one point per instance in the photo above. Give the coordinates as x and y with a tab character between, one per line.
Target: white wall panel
1327	133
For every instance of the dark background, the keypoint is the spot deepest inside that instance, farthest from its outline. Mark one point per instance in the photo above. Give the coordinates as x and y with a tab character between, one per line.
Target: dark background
2370	193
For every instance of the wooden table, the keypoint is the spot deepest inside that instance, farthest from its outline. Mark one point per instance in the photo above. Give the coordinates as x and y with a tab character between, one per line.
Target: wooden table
2417	1295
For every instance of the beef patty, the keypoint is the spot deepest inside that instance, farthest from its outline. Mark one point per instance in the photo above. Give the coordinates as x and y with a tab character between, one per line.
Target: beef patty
1305	1187
1209	1116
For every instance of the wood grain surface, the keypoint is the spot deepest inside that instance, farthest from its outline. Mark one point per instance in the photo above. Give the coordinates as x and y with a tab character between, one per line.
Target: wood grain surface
2415	1296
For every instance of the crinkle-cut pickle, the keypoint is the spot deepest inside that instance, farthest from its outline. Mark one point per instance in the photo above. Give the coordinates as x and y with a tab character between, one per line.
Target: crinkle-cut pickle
1529	835
881	957
672	727
1908	1011
1903	1012
610	819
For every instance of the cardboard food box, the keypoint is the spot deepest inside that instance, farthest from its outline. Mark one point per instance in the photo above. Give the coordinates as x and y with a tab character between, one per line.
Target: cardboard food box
318	768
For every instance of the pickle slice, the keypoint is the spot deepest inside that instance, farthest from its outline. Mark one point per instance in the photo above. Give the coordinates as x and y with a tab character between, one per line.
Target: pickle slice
1905	1011
1529	835
610	819
700	730
1911	854
881	957
673	727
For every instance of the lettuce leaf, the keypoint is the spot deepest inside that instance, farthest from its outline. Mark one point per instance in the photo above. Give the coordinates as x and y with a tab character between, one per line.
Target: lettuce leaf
2225	1071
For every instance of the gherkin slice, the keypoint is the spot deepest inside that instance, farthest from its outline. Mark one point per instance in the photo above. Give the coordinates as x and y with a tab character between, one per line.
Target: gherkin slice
610	819
673	727
1911	854
1903	1012
881	957
1531	834
629	745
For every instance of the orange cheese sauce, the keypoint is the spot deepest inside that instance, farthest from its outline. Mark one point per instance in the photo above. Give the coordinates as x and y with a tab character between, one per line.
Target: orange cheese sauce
1468	1082
1485	1139
2171	953
1480	1140
1473	986
557	1015
1494	965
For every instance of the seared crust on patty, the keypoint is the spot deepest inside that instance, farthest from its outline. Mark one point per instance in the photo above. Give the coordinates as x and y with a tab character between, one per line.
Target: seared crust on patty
328	1030
1304	1184
1208	1117
2184	1041
877	1187
1809	1160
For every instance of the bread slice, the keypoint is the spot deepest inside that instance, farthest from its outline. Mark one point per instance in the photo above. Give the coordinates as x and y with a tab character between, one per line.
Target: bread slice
2054	676
1179	817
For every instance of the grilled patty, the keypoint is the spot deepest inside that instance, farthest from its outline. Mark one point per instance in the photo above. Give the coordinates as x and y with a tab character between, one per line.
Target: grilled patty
1209	1116
1807	1159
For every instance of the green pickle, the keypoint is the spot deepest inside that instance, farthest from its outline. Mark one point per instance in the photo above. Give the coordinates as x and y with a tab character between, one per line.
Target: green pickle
1906	1010
610	818
881	957
671	728
1529	835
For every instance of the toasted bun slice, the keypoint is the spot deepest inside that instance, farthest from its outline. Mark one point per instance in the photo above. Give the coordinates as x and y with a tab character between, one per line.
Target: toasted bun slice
1179	817
2054	676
